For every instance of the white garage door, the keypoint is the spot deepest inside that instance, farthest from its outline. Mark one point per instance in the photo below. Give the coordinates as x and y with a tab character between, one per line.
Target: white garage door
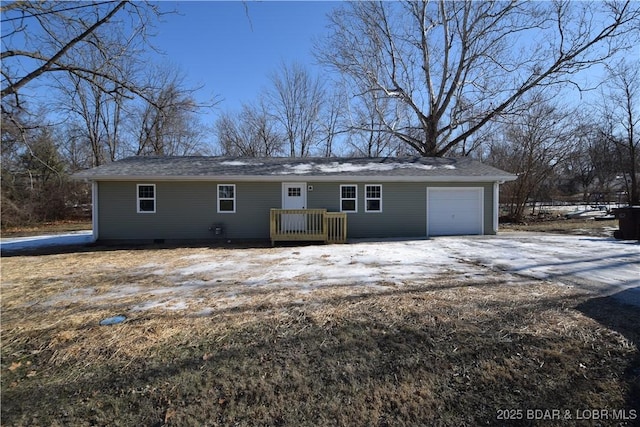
454	211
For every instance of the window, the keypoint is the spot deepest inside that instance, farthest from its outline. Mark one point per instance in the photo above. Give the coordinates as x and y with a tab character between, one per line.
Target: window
146	198
226	198
294	192
373	198
348	198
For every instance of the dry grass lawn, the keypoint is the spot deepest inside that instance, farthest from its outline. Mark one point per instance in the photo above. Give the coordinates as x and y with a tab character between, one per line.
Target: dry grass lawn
47	227
441	352
579	226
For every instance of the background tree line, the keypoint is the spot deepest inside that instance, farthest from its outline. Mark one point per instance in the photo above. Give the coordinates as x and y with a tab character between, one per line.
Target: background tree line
499	81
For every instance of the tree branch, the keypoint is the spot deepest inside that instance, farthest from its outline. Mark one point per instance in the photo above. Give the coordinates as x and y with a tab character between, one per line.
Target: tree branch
13	88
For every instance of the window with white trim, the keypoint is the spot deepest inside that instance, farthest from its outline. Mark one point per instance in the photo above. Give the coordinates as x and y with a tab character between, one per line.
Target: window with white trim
146	198
373	198
348	198
294	192
226	198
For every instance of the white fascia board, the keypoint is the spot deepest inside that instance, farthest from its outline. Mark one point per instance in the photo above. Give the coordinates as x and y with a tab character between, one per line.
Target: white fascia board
310	178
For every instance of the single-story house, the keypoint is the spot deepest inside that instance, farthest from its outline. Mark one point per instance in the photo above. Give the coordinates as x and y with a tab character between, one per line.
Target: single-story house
203	197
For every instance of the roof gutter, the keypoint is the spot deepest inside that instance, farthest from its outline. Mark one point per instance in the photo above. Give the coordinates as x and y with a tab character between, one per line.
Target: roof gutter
296	178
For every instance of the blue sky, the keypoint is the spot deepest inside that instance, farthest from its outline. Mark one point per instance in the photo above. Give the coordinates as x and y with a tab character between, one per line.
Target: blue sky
232	47
229	48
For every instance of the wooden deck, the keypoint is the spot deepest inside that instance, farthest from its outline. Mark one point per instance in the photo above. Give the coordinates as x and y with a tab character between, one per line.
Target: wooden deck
308	225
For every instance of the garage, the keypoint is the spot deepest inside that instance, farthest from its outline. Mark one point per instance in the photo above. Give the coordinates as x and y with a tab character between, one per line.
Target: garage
454	211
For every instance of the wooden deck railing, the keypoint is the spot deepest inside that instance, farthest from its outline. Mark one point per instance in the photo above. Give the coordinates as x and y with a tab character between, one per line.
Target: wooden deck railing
336	227
307	225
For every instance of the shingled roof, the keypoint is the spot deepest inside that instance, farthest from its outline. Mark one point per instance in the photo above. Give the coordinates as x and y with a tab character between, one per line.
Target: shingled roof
186	168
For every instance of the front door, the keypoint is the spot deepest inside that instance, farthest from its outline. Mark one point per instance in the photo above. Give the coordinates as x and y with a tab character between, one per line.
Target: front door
294	196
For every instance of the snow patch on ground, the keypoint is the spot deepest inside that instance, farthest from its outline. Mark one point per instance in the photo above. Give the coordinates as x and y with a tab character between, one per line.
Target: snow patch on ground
227	278
32	242
605	263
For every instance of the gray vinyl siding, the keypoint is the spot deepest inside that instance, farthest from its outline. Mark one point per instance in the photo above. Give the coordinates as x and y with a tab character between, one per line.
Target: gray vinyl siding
488	207
404	208
187	210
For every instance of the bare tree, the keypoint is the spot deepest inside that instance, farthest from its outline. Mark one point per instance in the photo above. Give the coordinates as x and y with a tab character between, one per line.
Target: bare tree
231	138
168	124
603	157
532	146
592	162
455	66
297	101
96	116
369	117
252	133
261	130
89	51
34	185
64	33
621	110
579	168
332	122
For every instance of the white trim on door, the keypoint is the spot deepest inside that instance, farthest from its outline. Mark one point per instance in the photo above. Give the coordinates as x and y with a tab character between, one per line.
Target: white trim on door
294	222
303	191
